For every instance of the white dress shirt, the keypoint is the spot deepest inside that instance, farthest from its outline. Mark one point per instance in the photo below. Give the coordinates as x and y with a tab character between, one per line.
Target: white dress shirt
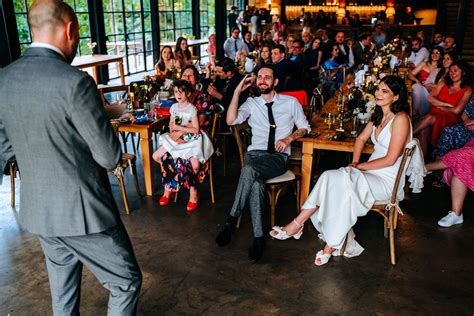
229	47
46	45
287	112
421	55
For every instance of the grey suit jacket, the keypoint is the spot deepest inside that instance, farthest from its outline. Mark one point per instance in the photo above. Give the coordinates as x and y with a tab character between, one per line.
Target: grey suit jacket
52	120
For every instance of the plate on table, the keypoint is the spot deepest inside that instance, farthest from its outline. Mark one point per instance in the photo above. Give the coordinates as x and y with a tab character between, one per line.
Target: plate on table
125	120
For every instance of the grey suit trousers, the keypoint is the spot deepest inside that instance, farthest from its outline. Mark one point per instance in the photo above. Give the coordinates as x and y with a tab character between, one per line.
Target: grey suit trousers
259	167
108	255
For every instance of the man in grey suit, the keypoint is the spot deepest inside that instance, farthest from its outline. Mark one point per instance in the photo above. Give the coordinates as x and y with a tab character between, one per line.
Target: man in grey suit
52	120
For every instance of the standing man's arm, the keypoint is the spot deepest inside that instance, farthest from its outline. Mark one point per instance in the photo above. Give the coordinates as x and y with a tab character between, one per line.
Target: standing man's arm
89	118
302	126
6	150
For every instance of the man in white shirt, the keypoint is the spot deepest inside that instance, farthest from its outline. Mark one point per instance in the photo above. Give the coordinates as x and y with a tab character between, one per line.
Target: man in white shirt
418	53
272	117
234	44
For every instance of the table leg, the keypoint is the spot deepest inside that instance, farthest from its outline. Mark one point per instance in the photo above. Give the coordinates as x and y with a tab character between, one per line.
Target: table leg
122	73
146	143
306	166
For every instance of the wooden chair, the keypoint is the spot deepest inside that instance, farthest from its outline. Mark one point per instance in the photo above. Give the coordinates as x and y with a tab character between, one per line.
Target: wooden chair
274	185
13	169
215	119
389	210
125	89
127	160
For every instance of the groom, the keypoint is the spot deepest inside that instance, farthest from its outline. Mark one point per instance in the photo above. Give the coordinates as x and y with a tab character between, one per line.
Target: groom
272	118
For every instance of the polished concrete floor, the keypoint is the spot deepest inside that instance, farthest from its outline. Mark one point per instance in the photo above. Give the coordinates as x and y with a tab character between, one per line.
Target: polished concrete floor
186	273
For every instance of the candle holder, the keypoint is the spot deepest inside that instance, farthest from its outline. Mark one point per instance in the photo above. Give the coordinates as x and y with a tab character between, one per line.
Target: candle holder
330	120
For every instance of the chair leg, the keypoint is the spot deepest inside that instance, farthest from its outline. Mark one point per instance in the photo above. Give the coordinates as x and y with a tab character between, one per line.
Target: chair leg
272	197
176	196
238	221
298	207
124	194
124	141
211	181
135	179
12	181
132	136
392	236
395	219
343	248
224	153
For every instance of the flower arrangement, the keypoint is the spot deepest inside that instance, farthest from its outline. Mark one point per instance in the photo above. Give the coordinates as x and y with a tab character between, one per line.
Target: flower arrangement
361	104
92	47
144	92
188	36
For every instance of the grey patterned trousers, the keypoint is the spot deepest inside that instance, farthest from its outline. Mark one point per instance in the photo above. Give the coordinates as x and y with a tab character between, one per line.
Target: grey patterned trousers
259	166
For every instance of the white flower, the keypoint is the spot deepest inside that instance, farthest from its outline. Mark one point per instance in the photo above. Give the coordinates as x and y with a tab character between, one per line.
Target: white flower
370	106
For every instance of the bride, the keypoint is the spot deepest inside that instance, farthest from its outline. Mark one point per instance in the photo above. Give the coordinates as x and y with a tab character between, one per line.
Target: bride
363	183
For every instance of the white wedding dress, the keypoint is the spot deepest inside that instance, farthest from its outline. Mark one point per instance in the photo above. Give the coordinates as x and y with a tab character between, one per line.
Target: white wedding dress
347	193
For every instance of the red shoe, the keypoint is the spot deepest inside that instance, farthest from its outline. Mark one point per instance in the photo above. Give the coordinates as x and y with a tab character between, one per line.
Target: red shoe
192	206
165	200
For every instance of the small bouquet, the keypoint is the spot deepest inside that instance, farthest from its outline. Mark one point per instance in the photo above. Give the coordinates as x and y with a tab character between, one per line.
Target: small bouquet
92	47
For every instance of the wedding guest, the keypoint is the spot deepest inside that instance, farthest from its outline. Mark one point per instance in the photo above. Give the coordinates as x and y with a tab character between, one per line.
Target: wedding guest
379	36
448	100
53	122
267	38
314	58
307	39
234	44
248	42
438	39
232	18
363	50
450	44
448	59
182	54
332	73
345	56
211	48
243	21
458	173
299	67
340	196
267	155
258	40
265	55
455	136
281	66
424	77
418	52
166	64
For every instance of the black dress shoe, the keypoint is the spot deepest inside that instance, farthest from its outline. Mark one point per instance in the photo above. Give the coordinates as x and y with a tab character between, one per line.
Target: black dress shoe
224	237
256	251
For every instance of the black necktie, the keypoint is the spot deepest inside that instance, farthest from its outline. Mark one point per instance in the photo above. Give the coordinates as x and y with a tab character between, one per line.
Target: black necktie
235	46
271	135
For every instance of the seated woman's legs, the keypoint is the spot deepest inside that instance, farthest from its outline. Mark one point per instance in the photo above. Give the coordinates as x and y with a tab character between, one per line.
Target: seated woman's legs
458	194
193	193
158	155
422	130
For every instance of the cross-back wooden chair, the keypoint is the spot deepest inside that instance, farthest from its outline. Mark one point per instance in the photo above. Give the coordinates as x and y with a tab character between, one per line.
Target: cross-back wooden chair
390	209
274	185
127	160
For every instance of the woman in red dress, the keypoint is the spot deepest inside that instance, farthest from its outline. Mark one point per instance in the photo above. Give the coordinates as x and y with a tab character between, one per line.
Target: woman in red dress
448	100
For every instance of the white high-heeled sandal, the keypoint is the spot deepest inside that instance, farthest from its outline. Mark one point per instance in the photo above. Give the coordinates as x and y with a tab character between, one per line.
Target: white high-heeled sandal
323	258
282	235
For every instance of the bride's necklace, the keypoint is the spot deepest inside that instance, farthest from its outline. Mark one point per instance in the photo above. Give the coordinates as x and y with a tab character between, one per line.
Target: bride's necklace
385	121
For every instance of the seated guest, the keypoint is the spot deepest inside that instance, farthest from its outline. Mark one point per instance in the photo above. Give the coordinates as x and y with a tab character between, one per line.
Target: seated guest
281	66
267	38
258	40
458	173
314	58
424	77
450	44
307	39
228	77
332	73
248	41
345	56
272	118
438	39
265	55
166	65
448	59
418	52
448	100
289	44
211	49
182	54
298	66
326	45
184	145
234	44
340	196
200	99
455	136
379	36
363	50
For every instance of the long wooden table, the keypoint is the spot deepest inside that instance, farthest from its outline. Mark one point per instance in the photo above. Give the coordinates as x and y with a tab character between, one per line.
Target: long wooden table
94	61
322	142
146	131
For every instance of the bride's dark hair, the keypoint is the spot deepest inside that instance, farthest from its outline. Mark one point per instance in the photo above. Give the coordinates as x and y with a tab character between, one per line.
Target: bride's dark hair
398	87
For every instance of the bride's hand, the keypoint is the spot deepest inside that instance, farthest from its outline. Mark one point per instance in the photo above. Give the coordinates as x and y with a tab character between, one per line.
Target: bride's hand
353	164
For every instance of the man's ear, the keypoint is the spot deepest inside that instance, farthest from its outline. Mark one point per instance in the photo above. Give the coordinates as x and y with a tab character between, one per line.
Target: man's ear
70	30
275	82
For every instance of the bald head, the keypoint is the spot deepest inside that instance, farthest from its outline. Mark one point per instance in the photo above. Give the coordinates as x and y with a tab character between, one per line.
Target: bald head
54	22
46	16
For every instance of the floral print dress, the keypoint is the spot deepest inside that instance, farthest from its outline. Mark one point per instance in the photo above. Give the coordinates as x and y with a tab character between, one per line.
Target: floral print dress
178	173
455	136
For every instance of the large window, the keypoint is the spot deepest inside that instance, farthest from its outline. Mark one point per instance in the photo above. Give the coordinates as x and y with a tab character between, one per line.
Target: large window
128	33
207	15
175	19
80	6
